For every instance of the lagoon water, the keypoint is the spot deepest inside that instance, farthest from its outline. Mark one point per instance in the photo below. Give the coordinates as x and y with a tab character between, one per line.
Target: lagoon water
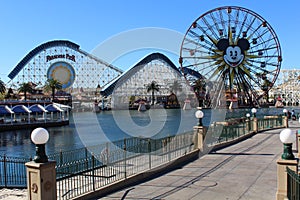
87	128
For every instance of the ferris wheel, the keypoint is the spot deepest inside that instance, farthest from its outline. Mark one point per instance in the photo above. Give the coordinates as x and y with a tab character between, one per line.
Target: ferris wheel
233	46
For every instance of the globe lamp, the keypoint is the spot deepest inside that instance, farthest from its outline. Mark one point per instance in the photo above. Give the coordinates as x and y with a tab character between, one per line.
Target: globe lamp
39	137
287	137
253	110
199	115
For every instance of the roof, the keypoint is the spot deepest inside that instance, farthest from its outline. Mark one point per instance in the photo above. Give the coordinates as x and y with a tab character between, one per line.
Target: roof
62	106
37	108
108	90
5	110
53	108
20	109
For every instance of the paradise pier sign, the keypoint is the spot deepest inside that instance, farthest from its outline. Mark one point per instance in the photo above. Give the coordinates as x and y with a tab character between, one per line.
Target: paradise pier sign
66	62
67	56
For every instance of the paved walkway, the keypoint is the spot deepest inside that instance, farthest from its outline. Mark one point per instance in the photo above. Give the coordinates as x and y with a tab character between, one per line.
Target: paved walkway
243	171
246	170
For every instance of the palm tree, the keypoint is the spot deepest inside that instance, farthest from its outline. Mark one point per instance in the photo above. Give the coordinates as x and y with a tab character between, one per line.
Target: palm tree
175	87
153	86
265	87
25	88
199	88
53	85
10	94
2	87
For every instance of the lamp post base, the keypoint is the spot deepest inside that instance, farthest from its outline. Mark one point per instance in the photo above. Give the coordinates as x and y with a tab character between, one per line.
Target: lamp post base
281	193
288	152
40	156
41	180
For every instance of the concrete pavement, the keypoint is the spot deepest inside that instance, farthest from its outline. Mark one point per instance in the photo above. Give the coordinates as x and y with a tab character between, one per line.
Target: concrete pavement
246	170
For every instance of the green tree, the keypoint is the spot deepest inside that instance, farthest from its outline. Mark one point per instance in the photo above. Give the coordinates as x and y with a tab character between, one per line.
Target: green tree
175	87
2	87
131	100
199	88
10	94
25	88
265	87
53	85
153	86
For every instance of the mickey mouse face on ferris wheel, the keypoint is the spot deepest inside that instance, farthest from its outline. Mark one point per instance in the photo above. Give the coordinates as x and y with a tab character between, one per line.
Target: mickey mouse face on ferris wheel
233	54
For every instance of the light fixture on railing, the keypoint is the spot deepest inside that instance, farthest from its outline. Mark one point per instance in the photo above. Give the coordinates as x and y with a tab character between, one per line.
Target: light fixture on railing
253	110
287	137
199	115
39	137
248	119
248	115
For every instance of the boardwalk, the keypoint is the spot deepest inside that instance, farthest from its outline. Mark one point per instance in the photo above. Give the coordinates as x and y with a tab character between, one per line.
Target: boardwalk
246	170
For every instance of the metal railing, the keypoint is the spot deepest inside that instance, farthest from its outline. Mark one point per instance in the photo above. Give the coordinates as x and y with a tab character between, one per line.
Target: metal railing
227	131
112	162
293	185
87	169
271	122
13	171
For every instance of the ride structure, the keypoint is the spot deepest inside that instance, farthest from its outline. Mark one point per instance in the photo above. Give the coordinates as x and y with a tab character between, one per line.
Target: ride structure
79	72
236	56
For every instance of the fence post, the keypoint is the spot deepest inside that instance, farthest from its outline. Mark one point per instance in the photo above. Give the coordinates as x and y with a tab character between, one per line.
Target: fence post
86	153
281	193
125	155
285	121
149	151
298	142
199	137
93	171
86	158
169	148
4	170
41	180
255	124
226	132
108	153
244	127
60	157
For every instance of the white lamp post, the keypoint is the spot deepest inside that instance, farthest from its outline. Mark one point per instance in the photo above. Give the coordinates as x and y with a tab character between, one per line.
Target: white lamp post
285	111
287	137
199	115
39	137
253	110
248	121
248	115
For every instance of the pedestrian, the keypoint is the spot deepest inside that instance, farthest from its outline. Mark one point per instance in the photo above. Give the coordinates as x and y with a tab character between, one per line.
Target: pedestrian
293	115
289	114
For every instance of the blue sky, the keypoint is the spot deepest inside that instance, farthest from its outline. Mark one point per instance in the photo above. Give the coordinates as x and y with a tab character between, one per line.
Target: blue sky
27	24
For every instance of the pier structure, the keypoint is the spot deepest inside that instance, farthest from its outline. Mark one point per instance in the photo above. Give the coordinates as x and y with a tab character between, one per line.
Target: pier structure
287	88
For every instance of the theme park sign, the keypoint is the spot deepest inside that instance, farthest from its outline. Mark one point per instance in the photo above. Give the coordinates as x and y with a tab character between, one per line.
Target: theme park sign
67	56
